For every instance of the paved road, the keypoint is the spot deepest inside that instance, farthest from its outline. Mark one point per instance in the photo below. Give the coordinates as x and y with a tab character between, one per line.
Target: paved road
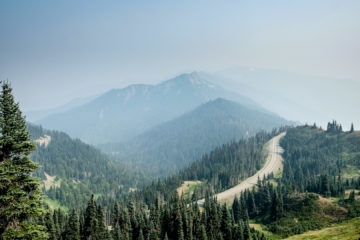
273	163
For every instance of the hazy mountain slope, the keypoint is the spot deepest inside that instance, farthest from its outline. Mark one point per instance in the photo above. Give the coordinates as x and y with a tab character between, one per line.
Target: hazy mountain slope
73	170
33	116
174	144
121	114
298	97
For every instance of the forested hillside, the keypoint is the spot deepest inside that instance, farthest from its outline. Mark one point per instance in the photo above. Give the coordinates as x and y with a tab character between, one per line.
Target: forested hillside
218	170
173	145
321	161
72	170
318	187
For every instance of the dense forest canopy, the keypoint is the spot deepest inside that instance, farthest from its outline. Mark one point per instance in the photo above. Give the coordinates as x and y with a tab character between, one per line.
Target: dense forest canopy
79	169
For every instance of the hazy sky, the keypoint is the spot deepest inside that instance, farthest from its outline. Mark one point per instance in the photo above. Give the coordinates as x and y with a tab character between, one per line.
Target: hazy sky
53	51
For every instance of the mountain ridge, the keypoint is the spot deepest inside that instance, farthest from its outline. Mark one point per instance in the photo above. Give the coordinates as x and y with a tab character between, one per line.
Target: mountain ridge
176	143
121	114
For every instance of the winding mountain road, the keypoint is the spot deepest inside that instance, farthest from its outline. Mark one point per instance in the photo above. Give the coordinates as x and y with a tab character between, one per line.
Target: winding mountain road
273	163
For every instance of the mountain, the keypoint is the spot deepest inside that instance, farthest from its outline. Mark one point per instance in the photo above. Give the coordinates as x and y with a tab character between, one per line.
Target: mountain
33	116
298	97
170	146
122	114
71	170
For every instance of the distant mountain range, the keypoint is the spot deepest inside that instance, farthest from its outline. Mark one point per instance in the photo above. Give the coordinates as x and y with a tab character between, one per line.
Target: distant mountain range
171	146
299	97
34	116
122	114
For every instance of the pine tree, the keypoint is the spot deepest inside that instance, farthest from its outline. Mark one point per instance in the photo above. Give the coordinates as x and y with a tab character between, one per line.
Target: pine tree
116	232
115	215
247	234
203	233
102	232
72	230
20	194
276	207
225	223
236	209
352	196
352	128
239	231
141	235
90	223
50	226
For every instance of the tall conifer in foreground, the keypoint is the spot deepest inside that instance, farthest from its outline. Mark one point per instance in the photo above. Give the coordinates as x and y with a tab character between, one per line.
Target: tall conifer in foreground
20	195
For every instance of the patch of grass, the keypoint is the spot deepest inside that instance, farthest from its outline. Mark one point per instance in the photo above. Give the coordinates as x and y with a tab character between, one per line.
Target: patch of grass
53	204
305	212
97	195
351	171
262	228
188	188
349	230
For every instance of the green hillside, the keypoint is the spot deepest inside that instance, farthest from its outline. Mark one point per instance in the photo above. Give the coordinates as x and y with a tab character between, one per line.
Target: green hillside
72	170
348	230
173	145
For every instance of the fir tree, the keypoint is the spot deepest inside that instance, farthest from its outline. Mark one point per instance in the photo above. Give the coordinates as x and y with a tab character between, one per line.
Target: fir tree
352	128
203	233
102	232
50	226
90	223
226	223
20	194
116	232
72	230
352	196
141	235
236	209
247	235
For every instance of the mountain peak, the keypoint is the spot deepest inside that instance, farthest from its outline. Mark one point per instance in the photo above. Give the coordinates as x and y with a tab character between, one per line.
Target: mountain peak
194	78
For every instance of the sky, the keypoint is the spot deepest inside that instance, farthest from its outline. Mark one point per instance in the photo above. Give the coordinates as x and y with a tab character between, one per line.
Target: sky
55	51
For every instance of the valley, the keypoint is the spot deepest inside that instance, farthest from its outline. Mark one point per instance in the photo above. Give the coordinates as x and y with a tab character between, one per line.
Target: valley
224	169
256	174
179	120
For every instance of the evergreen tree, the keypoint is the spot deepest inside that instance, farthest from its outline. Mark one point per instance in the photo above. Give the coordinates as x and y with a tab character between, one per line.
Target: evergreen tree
276	207
225	223
72	230
90	223
239	232
352	128
50	226
352	196
141	235
247	234
236	209
203	233
20	194
116	232
102	232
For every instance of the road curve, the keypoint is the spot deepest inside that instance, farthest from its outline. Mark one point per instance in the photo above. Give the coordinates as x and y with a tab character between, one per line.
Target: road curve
273	163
